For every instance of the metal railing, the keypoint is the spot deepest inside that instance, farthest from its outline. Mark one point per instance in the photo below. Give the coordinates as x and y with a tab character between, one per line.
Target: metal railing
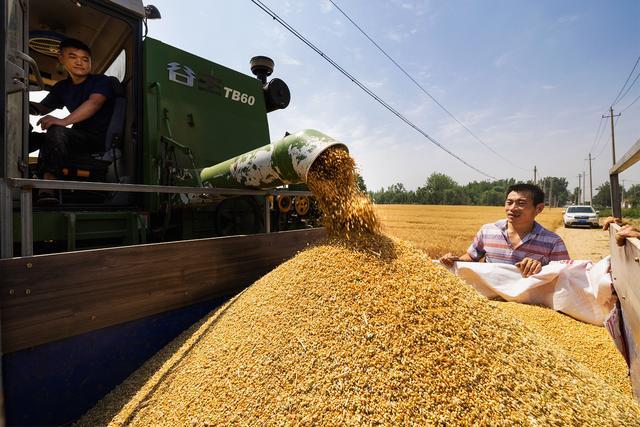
26	202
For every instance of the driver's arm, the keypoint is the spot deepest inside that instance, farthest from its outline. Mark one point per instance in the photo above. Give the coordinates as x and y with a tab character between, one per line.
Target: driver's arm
87	109
38	109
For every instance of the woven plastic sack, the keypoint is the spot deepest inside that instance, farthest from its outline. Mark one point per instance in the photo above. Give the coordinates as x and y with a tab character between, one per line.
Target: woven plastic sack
580	289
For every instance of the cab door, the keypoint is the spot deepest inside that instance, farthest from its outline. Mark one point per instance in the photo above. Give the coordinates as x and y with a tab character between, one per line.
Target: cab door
15	96
14	103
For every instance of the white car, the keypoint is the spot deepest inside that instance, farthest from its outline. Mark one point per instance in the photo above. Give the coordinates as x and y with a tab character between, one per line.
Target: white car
580	215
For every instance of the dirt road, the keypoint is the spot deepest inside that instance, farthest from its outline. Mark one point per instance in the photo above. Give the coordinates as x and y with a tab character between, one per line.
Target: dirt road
585	243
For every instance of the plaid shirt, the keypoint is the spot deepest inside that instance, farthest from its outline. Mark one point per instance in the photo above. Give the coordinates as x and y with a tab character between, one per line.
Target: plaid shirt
492	242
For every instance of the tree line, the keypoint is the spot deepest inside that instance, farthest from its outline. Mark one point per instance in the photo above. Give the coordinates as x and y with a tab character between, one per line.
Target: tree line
441	189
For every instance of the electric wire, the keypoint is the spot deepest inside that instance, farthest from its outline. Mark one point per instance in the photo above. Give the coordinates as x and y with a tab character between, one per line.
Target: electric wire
599	137
410	77
629	88
632	102
618	97
605	145
596	139
368	91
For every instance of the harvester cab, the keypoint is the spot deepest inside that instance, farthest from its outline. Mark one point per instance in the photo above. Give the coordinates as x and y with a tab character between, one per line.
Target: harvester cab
177	114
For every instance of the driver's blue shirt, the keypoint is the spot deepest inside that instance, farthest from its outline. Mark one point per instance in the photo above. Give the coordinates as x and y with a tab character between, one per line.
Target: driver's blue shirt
69	95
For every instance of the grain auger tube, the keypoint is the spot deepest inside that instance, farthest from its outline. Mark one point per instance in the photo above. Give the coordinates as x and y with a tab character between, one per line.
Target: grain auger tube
286	161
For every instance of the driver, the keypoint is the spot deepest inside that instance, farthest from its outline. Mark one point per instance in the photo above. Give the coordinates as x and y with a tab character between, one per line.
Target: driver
89	99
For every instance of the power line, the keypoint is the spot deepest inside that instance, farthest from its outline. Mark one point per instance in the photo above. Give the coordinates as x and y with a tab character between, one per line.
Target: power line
422	88
618	97
629	88
632	102
605	145
368	91
597	138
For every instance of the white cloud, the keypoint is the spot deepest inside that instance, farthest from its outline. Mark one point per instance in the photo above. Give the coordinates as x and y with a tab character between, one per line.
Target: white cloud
567	19
289	8
449	128
400	33
549	87
517	117
336	29
289	60
419	7
326	6
373	84
501	60
356	53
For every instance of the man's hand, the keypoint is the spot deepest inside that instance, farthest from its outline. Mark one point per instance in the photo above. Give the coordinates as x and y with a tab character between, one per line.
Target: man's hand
625	232
47	121
610	220
33	109
448	259
37	109
529	266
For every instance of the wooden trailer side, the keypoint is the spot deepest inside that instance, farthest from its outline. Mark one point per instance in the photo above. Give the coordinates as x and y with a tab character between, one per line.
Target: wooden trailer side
625	268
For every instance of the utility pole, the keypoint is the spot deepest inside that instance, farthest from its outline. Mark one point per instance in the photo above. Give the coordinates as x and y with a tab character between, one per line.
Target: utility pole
590	183
584	186
613	179
578	195
535	175
613	134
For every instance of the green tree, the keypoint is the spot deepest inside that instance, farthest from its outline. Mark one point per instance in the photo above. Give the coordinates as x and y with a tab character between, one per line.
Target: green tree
493	197
632	195
434	190
396	194
361	185
575	196
555	190
603	195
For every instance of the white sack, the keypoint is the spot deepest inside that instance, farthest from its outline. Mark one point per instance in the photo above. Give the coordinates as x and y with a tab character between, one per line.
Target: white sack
579	289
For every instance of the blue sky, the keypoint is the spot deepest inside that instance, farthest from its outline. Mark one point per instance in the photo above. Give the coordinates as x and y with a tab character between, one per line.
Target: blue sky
530	78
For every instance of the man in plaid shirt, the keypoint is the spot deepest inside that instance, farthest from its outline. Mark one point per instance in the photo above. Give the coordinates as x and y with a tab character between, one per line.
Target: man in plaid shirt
518	239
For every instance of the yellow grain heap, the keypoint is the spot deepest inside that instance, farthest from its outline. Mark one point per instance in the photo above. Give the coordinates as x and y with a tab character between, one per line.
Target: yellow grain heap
363	331
588	344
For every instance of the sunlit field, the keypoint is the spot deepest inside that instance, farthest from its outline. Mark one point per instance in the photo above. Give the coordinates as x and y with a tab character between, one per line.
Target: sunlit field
438	229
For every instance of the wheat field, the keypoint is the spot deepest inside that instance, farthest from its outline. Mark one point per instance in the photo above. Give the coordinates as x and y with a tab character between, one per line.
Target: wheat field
438	229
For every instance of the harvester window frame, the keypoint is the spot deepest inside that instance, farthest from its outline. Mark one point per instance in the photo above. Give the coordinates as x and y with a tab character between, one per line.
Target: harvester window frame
125	47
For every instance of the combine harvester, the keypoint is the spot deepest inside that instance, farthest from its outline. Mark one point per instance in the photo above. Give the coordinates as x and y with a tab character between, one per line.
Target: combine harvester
148	236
